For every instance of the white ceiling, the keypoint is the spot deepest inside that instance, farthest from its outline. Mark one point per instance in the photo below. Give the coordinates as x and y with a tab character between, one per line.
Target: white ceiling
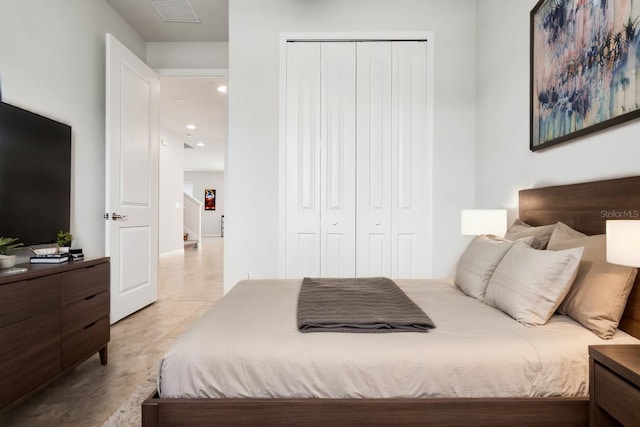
196	101
142	16
188	100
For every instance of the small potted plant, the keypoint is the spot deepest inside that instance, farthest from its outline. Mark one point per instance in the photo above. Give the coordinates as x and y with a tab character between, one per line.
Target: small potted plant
64	239
7	244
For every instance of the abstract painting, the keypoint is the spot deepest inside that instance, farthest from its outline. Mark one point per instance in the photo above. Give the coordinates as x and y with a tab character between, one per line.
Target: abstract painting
584	57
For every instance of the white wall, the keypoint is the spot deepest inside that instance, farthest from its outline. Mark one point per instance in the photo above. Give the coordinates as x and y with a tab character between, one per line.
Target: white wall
53	63
504	163
252	227
171	199
215	180
188	55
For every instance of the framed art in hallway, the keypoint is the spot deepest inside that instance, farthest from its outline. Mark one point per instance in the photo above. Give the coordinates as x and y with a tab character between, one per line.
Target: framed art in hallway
209	199
583	59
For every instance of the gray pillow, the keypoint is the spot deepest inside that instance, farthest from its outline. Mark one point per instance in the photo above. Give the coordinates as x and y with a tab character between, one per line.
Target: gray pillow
520	229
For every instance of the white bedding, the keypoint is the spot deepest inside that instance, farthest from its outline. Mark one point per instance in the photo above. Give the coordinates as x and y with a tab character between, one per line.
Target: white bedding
247	345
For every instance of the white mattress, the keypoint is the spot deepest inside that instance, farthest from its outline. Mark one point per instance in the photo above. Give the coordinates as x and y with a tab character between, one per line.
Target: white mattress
247	345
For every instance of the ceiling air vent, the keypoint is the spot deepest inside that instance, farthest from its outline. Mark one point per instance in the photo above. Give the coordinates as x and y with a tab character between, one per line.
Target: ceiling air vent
175	11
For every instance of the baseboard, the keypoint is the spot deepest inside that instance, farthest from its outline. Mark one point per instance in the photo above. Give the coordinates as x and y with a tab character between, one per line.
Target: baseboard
211	235
171	253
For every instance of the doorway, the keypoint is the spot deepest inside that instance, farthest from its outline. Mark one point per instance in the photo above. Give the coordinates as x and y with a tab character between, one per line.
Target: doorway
193	132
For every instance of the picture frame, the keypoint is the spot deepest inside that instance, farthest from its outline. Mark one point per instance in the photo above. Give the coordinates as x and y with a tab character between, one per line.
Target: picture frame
583	57
209	199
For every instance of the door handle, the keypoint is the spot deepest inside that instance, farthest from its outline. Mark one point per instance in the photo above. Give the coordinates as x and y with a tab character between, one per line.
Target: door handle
115	216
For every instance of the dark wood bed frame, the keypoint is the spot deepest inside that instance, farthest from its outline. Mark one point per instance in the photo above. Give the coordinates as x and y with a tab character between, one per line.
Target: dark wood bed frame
584	207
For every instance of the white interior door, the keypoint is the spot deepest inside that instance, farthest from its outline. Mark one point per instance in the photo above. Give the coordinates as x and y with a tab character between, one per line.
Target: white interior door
373	233
358	160
303	160
132	137
320	158
337	159
394	161
410	162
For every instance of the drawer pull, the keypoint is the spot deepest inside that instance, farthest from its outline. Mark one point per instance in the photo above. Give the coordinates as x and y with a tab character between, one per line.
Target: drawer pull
91	297
89	325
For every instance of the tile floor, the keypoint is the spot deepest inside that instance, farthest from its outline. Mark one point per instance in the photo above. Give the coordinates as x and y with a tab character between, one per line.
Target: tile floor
87	396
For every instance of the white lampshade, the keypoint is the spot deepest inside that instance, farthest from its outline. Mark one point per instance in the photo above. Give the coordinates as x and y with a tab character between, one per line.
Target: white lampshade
474	222
623	242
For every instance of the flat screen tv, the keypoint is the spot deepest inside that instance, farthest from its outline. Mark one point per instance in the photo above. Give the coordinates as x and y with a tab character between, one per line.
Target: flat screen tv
35	176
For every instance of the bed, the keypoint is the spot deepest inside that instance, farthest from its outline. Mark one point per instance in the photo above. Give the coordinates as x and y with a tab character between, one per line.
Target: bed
262	397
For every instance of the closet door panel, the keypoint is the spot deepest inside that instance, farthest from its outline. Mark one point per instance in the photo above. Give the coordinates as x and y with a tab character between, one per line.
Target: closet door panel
411	162
303	160
307	253
338	156
378	256
406	256
334	262
373	165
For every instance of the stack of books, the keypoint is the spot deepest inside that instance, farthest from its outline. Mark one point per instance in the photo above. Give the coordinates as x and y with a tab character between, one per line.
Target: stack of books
49	259
76	254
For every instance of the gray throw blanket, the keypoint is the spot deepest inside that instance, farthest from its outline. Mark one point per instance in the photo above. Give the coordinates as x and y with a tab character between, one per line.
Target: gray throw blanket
374	304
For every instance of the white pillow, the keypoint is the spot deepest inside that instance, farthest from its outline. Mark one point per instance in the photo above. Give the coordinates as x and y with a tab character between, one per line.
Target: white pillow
529	284
477	263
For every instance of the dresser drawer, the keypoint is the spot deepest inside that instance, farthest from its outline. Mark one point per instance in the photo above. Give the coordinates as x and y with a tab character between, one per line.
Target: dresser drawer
29	354
81	313
616	396
29	298
84	282
84	342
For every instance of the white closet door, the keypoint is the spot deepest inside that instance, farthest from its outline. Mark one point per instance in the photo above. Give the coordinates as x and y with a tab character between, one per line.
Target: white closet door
338	156
411	163
358	160
373	234
303	160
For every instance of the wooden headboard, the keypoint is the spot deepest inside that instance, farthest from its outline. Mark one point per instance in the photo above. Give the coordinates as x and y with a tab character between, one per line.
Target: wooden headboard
586	207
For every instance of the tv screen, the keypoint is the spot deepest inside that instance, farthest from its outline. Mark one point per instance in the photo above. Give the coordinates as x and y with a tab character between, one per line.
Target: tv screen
35	176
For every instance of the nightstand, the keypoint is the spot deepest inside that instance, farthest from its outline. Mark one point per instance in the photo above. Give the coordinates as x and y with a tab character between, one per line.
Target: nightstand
614	385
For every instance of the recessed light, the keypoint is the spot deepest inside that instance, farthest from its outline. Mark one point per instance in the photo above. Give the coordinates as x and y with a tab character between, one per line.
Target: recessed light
192	127
200	144
222	89
189	135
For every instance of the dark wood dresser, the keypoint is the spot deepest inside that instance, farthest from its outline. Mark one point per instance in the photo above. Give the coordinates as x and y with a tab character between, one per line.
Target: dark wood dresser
614	385
52	318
